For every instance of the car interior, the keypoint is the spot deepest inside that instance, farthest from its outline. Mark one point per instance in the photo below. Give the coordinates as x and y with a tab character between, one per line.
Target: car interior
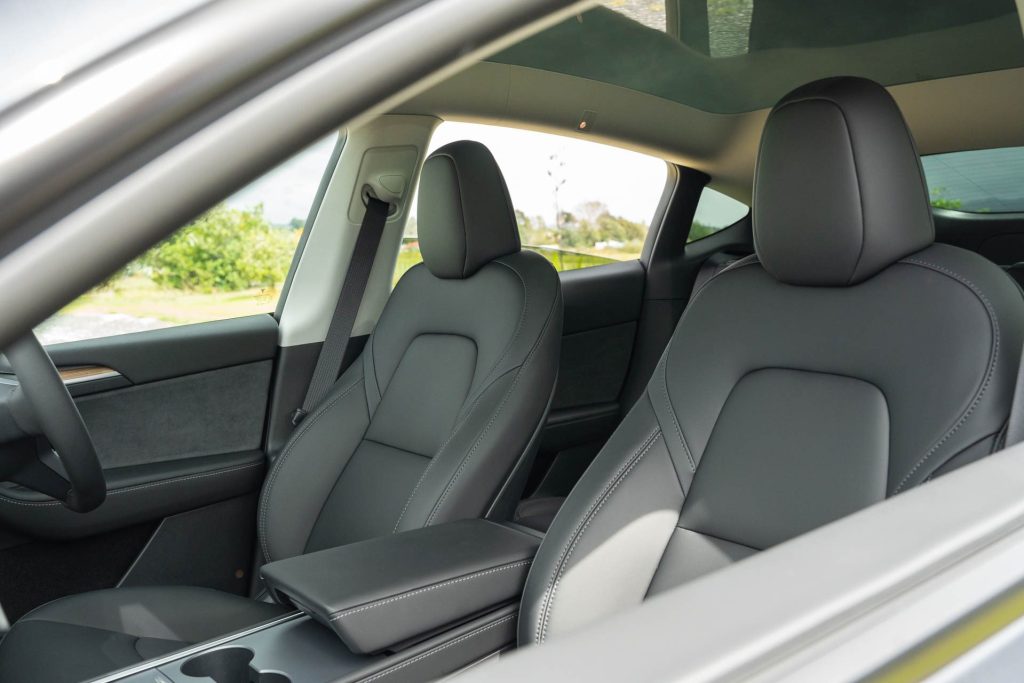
406	469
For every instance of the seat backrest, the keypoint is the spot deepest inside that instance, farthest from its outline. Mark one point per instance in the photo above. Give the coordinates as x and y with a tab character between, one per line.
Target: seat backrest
456	378
847	361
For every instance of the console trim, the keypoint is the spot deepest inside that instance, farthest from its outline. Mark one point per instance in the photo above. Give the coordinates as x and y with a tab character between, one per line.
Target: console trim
150	664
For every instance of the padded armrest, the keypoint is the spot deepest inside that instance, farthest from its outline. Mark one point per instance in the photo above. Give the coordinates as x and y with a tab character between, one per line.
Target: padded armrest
381	592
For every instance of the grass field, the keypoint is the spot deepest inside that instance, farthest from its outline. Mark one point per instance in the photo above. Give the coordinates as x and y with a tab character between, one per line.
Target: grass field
139	297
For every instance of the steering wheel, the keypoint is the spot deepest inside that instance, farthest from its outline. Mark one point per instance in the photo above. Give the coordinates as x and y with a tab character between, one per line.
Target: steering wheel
40	405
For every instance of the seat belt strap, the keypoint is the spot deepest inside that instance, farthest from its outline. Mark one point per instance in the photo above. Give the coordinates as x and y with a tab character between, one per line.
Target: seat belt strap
332	353
1015	423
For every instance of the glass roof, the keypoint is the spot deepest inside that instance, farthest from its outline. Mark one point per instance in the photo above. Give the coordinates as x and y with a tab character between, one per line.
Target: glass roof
731	56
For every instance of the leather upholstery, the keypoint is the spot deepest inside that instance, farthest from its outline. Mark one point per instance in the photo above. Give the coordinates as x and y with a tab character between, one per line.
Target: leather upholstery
839	192
429	422
383	591
423	428
463	187
802	403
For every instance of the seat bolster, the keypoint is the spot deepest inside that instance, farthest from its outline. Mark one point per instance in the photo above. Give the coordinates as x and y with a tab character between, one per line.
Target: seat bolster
303	475
605	544
985	414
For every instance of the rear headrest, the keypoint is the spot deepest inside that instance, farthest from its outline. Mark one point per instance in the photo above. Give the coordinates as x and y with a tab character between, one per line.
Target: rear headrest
465	217
839	193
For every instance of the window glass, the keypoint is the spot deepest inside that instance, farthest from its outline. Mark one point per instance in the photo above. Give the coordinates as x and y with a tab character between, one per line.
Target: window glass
749	53
42	41
714	212
578	203
978	181
229	262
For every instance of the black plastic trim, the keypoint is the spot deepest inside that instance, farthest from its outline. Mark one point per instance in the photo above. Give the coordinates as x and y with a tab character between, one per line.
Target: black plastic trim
174	351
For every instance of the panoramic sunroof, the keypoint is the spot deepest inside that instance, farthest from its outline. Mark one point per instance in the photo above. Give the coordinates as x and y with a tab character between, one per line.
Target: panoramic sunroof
731	56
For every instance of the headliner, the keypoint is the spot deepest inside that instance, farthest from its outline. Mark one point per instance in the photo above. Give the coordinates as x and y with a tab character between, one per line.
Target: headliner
946	113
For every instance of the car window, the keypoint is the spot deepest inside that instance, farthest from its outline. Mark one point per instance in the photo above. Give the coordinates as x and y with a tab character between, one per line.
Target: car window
715	211
977	181
578	203
227	263
42	41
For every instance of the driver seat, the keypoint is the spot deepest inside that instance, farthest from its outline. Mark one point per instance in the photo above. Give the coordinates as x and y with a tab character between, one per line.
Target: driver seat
425	427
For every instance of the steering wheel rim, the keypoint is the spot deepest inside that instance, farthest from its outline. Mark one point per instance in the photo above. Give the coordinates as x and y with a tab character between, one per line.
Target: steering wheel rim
55	416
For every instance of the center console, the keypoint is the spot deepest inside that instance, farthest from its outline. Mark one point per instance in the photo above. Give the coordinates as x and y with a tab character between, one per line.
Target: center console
409	607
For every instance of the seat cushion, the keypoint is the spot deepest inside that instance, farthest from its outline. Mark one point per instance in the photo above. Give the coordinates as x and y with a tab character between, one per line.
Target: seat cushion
82	636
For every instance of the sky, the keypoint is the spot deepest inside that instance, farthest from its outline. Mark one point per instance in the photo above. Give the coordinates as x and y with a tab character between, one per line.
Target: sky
630	184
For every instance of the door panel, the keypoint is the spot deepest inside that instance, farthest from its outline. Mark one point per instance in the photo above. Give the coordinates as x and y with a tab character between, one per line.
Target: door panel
212	412
143	357
177	416
135	494
997	237
602	307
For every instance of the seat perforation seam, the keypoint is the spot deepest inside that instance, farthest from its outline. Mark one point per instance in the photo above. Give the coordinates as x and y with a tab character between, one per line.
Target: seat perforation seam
581	527
962	420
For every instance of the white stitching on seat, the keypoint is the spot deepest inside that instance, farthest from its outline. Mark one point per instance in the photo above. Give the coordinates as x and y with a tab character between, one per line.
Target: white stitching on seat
494	417
487	383
962	420
279	465
549	594
675	420
137	487
735	265
451	582
439	648
444	445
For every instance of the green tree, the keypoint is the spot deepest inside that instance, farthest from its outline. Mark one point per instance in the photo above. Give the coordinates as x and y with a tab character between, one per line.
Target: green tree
699	230
941	201
224	249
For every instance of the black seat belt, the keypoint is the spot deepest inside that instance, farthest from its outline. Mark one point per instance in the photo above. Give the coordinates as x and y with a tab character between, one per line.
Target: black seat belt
332	353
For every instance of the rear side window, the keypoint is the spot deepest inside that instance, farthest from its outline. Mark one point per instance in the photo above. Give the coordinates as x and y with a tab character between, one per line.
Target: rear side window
977	181
715	211
578	203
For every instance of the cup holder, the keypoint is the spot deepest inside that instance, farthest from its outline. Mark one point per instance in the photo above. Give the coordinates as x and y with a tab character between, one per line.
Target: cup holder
229	665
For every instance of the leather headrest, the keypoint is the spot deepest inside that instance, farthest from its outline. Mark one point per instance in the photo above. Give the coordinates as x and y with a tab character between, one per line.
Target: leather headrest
465	217
839	193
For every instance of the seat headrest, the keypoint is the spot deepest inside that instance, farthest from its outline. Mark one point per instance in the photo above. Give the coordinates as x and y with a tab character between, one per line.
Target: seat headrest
465	217
839	193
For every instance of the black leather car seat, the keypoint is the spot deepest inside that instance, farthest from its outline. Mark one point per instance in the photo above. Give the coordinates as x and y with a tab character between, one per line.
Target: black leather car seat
850	359
425	427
